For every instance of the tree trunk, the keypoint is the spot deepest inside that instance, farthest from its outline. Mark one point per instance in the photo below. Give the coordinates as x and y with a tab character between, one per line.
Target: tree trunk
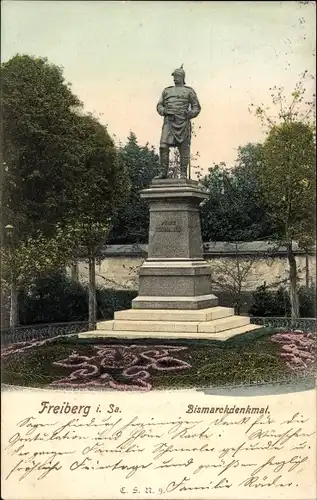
74	271
92	293
307	268
293	281
14	306
239	282
238	302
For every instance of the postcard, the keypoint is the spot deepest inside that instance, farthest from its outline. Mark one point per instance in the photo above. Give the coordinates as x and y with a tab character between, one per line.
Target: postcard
167	444
158	253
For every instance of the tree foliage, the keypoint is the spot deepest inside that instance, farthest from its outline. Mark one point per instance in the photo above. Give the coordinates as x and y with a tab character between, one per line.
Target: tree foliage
101	185
63	178
235	209
288	179
38	154
131	224
60	165
288	171
26	260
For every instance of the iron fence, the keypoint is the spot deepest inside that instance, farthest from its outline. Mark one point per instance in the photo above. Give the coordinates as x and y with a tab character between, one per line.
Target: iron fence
286	323
41	332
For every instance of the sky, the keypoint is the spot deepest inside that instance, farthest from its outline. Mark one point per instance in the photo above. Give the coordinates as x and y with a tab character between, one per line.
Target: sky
119	56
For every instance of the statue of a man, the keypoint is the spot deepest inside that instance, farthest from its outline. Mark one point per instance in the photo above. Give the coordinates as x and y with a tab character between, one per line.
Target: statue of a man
178	104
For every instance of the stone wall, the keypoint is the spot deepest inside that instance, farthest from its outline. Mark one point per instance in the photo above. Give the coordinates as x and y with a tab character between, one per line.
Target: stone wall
118	268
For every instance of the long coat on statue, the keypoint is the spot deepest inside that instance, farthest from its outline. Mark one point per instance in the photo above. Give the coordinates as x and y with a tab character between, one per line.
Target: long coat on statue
178	105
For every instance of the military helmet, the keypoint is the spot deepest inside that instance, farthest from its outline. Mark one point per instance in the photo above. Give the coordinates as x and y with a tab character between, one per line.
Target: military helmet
179	71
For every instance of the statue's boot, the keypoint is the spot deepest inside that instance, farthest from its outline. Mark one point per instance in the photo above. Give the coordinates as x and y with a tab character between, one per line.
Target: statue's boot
184	153
164	163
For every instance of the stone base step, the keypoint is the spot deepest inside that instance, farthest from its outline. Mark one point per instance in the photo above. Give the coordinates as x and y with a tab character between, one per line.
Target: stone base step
216	325
221	336
194	303
208	314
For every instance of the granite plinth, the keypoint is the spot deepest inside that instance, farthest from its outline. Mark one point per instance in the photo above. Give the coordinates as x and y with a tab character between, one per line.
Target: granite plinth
175	274
172	302
131	335
215	323
204	315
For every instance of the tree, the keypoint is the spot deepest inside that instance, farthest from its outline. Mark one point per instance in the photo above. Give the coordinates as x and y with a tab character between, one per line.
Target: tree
100	189
131	224
231	275
23	261
235	209
38	167
288	183
288	175
62	173
38	154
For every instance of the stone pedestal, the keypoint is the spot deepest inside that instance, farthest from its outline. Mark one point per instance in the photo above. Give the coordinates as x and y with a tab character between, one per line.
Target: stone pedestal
175	299
175	274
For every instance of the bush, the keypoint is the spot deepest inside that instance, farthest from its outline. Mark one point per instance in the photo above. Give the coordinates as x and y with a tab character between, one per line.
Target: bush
276	303
269	302
307	301
58	299
109	300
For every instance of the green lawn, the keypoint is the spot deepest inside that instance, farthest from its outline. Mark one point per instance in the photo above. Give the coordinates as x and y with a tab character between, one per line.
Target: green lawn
146	364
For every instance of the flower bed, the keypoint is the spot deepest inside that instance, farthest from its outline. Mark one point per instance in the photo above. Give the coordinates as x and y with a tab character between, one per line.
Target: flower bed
120	367
298	349
266	355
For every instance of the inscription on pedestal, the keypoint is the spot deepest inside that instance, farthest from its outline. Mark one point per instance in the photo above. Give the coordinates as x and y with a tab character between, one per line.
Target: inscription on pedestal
168	226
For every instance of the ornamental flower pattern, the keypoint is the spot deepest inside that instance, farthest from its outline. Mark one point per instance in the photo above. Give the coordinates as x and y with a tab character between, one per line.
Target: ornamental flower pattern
125	367
119	367
298	349
18	347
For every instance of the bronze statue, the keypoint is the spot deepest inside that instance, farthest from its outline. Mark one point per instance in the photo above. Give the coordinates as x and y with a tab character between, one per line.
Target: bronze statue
178	104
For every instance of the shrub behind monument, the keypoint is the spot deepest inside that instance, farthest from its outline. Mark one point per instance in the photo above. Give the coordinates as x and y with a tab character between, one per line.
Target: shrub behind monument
57	299
276	303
